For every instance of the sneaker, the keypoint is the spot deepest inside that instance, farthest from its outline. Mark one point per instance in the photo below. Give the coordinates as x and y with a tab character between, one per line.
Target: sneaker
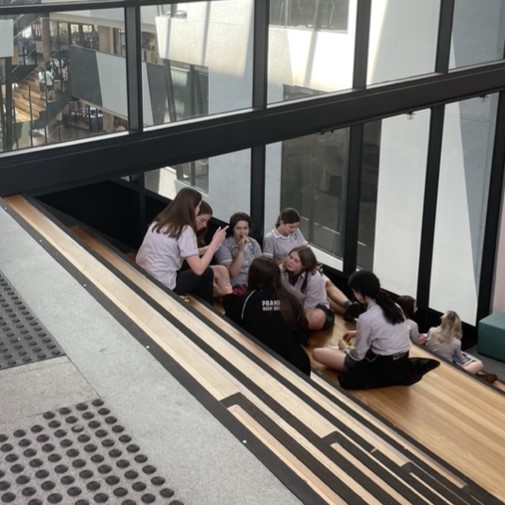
352	311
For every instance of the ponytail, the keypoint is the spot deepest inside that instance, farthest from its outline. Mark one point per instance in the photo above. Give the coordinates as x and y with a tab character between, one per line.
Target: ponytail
368	284
392	312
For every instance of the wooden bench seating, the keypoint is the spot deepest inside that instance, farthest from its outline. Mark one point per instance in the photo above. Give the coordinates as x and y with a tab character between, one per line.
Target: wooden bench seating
327	445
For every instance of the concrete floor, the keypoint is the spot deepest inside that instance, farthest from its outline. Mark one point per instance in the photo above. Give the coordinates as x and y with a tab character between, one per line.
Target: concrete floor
107	375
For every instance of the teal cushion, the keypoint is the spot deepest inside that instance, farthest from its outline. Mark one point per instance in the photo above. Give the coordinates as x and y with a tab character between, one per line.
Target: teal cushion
491	336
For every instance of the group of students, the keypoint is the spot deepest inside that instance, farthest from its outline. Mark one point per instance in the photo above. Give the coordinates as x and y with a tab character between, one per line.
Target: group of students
279	294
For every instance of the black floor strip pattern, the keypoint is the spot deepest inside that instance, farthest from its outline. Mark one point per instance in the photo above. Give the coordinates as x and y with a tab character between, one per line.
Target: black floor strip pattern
23	339
79	455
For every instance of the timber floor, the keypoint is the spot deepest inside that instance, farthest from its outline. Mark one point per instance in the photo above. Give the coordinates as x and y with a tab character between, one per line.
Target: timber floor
439	441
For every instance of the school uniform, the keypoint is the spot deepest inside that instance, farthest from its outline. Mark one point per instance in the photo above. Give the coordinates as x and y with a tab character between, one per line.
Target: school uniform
259	312
380	354
278	246
228	251
162	256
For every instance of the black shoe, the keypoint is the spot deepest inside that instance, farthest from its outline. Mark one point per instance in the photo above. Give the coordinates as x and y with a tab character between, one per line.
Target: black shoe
419	367
352	311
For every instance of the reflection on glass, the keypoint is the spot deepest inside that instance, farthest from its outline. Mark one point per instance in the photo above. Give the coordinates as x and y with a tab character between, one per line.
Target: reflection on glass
309	174
477	32
320	15
207	176
403	38
395	153
368	194
197	59
311	46
64	80
461	205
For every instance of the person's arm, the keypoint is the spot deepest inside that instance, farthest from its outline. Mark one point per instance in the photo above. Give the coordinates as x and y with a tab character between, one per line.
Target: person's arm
315	292
201	250
236	264
362	343
199	264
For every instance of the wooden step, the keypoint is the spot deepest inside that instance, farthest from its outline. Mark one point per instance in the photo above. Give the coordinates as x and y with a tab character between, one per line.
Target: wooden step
340	455
24	106
390	433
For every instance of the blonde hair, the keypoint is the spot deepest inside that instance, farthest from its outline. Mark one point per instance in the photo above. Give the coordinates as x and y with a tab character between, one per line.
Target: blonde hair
449	328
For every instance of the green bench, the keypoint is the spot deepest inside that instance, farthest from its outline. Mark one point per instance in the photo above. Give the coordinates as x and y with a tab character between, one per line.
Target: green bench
491	336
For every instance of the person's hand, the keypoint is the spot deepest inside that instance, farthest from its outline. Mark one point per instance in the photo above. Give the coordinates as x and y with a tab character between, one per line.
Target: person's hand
242	242
348	336
227	289
342	345
219	236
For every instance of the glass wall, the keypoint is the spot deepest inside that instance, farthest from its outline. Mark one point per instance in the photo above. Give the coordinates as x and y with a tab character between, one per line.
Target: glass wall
461	205
310	46
207	176
198	60
309	173
393	204
65	80
64	77
403	39
477	33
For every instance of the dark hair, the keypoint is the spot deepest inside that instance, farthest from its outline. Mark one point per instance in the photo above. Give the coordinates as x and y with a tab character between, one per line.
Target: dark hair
288	216
178	213
239	216
265	274
407	303
204	209
309	263
368	284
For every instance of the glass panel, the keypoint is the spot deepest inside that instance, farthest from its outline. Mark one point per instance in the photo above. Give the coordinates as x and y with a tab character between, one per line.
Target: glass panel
477	32
207	176
197	59
309	173
403	39
368	194
63	79
31	2
394	156
311	46
461	205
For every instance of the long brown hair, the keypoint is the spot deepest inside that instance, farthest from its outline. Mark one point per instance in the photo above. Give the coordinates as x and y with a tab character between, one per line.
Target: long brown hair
180	212
205	209
309	263
265	274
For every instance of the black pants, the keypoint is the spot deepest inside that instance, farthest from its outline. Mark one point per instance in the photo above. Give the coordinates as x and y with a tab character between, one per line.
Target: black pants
376	371
190	283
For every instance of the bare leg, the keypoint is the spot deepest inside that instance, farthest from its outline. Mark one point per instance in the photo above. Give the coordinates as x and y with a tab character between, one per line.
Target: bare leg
340	304
474	365
221	280
332	358
337	299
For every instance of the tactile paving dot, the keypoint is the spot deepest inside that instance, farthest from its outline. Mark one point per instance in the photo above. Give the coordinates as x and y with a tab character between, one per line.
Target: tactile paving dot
23	339
78	455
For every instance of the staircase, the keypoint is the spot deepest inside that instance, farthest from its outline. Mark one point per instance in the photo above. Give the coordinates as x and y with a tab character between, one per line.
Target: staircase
438	442
26	95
